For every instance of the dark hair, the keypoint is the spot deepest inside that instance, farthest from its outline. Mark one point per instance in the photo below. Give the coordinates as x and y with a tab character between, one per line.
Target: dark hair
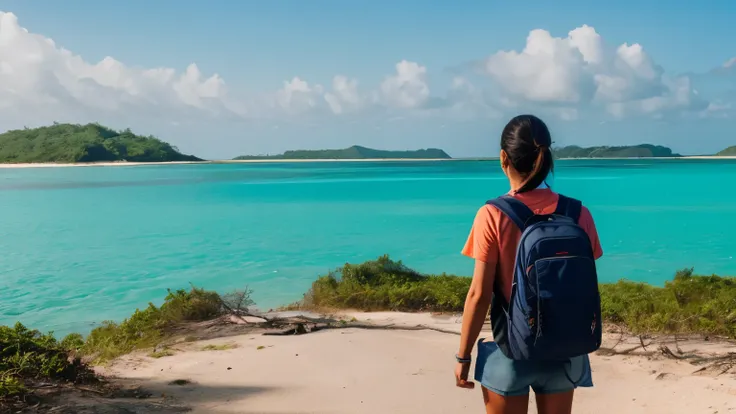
526	141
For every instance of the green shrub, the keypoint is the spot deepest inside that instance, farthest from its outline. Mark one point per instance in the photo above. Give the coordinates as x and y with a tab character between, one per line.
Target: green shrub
687	304
384	284
29	354
146	328
73	341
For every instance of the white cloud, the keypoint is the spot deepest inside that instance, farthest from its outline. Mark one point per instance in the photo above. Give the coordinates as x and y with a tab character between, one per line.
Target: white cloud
565	76
407	88
297	96
40	81
344	95
581	69
37	75
548	69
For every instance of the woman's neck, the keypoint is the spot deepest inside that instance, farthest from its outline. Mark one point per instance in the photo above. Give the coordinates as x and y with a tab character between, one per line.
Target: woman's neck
515	181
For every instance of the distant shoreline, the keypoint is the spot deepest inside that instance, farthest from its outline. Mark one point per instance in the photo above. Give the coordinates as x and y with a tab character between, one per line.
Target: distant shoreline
97	164
274	161
271	161
686	157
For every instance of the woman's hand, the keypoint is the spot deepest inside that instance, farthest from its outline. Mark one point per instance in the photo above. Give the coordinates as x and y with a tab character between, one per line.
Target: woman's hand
461	376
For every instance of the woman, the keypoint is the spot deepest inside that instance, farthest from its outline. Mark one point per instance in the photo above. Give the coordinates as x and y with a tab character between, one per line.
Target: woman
526	160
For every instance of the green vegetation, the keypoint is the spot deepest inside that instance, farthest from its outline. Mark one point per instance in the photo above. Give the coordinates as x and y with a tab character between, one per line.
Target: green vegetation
688	304
385	284
70	143
28	355
353	153
634	151
166	352
222	347
147	328
728	152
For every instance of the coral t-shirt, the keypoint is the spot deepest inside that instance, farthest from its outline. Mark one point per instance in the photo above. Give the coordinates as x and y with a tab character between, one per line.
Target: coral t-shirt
494	237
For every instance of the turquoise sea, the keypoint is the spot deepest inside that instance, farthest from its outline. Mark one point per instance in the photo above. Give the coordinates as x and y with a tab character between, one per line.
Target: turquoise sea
82	245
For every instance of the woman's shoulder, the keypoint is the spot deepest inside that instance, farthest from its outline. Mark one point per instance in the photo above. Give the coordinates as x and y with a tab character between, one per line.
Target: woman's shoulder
585	214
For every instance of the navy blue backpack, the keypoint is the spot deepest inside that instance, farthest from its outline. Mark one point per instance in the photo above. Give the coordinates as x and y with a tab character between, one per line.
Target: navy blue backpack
554	312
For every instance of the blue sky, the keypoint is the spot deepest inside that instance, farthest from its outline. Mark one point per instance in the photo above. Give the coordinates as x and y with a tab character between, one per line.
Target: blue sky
455	91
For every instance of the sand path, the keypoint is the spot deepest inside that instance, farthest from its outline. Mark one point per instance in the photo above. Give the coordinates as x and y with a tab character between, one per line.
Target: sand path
375	371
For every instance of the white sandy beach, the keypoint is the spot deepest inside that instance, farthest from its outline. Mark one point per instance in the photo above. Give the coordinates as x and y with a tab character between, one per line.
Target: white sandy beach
392	371
96	164
132	164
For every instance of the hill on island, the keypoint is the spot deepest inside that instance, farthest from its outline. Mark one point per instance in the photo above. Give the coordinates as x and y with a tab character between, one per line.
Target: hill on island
71	143
633	151
353	153
728	152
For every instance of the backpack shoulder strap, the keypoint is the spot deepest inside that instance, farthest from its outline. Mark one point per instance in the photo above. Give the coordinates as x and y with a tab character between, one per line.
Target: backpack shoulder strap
514	209
569	207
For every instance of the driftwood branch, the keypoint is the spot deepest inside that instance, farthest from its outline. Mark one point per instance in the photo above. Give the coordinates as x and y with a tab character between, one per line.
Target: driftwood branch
292	327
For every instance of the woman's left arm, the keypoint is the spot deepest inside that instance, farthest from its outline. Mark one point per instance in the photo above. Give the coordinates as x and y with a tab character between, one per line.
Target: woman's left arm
477	304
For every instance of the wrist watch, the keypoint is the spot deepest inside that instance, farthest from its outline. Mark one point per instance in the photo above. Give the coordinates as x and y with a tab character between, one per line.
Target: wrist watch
462	360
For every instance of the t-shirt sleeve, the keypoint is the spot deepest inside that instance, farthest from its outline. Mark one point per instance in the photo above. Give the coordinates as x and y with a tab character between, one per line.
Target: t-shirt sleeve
587	223
482	242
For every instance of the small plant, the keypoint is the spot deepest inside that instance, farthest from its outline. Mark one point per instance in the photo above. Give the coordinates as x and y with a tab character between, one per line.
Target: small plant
10	385
166	352
221	347
72	341
238	301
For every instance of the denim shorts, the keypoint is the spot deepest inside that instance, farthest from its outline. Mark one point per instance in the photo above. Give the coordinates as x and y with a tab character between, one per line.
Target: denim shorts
506	377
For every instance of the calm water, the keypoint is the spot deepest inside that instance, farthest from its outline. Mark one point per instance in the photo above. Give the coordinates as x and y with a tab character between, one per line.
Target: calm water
81	245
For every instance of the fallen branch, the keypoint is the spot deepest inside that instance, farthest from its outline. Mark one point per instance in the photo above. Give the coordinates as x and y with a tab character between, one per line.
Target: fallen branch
318	325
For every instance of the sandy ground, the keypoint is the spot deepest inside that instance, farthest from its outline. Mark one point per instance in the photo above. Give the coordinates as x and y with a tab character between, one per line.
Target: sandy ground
392	371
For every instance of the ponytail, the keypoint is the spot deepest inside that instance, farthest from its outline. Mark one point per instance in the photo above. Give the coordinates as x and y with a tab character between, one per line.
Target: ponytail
542	167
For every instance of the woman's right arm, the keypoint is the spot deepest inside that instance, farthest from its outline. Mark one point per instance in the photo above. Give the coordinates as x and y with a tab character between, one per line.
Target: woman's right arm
477	304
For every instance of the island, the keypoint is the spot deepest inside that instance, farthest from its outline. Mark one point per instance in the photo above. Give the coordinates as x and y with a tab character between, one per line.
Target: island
73	143
353	153
632	151
728	152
